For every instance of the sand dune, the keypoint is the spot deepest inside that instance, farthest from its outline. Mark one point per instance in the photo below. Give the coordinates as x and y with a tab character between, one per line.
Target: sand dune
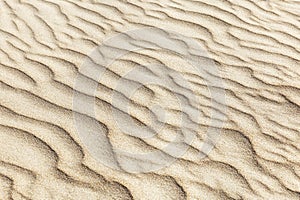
169	99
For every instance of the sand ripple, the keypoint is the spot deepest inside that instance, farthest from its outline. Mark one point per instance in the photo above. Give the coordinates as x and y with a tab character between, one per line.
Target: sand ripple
254	44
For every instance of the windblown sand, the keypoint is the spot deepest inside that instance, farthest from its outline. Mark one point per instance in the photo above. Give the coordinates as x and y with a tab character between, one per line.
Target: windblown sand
255	45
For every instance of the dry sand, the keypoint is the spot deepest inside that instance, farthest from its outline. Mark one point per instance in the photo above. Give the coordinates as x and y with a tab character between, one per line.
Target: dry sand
254	44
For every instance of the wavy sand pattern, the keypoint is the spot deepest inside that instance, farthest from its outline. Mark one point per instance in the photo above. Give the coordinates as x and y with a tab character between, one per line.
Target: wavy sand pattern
256	47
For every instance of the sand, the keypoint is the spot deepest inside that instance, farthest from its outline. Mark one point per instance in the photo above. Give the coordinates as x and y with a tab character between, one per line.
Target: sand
170	99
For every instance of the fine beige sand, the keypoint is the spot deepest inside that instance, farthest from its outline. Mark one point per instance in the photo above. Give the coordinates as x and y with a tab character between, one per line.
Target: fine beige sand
54	146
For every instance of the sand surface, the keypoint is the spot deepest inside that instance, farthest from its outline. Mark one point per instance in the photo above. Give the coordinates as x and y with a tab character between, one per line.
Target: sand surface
55	145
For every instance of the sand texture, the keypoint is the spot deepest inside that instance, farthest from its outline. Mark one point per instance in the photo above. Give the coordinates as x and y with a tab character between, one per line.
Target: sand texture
82	124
